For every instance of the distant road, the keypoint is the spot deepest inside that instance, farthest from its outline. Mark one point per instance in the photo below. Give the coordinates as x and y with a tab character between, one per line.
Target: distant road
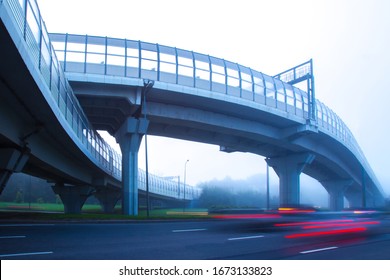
216	239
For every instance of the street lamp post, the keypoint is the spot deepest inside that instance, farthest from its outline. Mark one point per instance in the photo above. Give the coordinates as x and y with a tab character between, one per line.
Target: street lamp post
148	84
268	206
184	188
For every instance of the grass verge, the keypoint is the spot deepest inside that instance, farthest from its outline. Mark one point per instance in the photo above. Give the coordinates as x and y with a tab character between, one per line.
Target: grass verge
55	212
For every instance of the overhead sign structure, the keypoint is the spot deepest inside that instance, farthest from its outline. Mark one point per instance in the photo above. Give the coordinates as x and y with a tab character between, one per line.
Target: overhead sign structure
298	74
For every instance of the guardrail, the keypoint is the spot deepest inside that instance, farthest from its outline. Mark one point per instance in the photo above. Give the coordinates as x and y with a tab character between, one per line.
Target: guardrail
168	187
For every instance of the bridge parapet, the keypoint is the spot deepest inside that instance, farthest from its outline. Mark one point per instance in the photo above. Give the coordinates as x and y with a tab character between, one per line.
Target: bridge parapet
168	187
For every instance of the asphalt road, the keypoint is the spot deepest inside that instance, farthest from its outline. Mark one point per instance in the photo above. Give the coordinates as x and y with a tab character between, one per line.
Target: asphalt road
183	240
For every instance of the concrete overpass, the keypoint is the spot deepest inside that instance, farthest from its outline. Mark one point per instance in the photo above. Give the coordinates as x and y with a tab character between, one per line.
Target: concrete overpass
130	88
201	98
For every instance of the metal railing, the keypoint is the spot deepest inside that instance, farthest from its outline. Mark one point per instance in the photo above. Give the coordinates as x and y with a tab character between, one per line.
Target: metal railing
128	58
166	187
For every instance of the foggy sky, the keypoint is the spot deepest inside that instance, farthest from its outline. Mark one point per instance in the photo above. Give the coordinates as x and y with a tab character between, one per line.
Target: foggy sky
347	40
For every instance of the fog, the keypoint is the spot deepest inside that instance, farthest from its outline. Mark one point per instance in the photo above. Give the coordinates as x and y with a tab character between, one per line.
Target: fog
312	194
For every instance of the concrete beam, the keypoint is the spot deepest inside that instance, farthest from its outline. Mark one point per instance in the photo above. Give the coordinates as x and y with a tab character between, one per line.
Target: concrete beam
298	131
129	137
289	168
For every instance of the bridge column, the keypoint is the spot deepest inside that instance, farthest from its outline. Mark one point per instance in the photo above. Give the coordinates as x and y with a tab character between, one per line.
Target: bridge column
108	198
336	189
289	168
11	160
378	200
73	197
354	200
129	137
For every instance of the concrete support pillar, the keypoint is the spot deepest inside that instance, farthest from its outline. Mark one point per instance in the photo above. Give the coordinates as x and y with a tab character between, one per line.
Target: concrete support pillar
73	197
108	198
371	200
289	168
378	200
129	137
354	200
11	160
336	189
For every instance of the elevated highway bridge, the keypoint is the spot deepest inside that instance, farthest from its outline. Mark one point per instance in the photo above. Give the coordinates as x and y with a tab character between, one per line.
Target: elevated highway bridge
131	88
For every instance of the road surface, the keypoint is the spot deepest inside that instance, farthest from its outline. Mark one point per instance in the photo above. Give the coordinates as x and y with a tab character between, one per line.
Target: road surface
183	240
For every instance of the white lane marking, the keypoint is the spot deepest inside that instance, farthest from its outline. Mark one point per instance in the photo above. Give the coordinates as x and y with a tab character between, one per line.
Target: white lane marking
25	225
318	250
25	254
246	237
189	230
14	236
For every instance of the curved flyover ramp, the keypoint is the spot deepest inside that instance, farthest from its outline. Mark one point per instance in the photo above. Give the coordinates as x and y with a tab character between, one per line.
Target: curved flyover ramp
192	96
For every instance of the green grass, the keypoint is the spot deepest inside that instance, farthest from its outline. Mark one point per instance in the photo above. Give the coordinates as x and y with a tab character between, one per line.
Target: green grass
52	211
49	207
